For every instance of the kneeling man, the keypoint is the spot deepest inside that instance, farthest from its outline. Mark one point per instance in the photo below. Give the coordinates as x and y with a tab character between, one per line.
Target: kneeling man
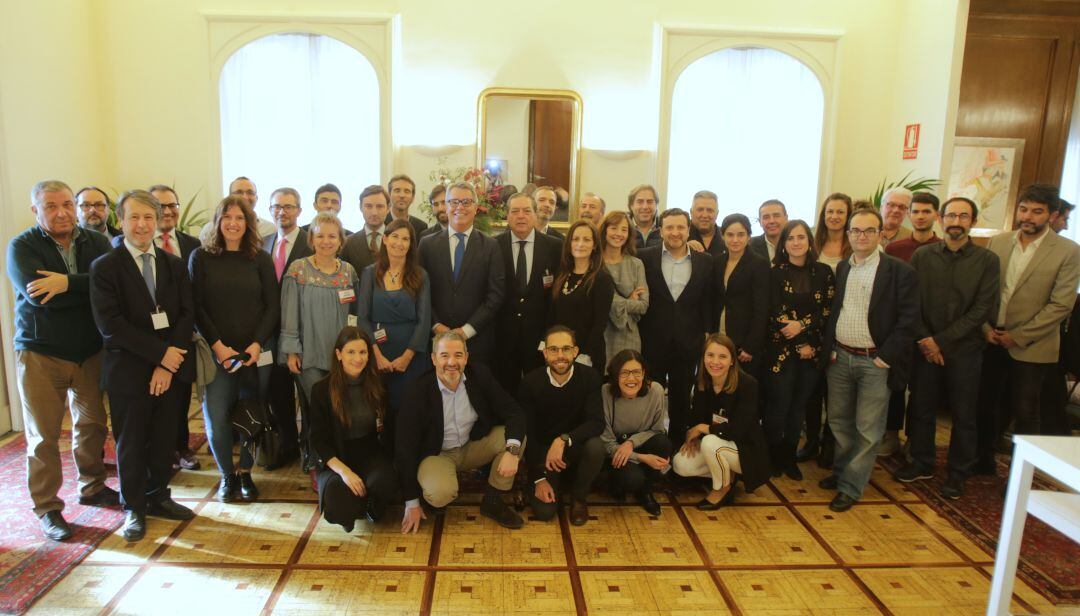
454	419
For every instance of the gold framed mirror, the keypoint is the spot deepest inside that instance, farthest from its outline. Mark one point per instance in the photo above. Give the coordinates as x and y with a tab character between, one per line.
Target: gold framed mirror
527	136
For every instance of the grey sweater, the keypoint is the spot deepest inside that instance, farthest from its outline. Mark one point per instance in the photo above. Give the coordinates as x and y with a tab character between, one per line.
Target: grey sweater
641	418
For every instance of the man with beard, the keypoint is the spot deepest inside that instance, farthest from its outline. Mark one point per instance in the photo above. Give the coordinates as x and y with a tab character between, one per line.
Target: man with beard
958	282
895	204
591	208
437	199
563	411
546	202
245	189
93	211
1039	274
705	234
402	192
642	203
772	216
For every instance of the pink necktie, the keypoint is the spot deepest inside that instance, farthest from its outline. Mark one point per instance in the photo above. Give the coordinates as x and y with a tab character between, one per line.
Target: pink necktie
279	257
165	245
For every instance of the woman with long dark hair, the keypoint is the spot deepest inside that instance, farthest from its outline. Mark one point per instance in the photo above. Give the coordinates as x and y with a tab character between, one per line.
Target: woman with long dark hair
583	292
725	437
742	292
237	310
631	297
801	293
355	473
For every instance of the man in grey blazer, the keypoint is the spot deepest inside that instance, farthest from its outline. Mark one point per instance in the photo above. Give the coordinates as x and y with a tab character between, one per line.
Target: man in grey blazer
466	273
1039	275
361	247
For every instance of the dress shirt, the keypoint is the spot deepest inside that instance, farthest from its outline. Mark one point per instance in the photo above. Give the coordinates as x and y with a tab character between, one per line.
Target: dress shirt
852	326
172	241
458	415
381	231
771	248
676	271
290	236
1018	262
515	247
137	254
557	384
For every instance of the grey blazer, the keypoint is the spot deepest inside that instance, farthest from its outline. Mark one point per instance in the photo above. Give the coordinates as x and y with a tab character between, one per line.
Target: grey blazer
1043	297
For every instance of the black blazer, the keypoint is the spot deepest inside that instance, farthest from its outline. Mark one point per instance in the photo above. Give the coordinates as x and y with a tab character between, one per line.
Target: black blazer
418	225
523	316
357	252
299	250
759	246
476	297
743	426
894	310
676	326
122	306
420	420
716	248
555	233
745	298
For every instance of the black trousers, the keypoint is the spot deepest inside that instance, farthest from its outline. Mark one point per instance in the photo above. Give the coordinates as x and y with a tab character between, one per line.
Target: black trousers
815	408
144	428
183	435
515	358
954	386
632	477
676	373
367	458
281	397
894	422
1055	396
578	474
1009	391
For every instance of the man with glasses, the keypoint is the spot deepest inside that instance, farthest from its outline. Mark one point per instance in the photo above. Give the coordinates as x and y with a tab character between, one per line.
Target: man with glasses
93	211
870	338
328	199
958	282
772	216
286	245
895	204
465	268
402	193
642	203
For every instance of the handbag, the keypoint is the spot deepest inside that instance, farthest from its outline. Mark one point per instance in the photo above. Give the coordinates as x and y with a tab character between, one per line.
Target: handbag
249	416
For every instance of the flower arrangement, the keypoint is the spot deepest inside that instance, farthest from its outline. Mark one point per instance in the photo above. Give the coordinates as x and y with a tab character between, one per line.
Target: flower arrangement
490	206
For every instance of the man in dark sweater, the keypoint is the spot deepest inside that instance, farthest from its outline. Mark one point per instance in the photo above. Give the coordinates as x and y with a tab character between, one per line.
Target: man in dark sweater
58	350
563	411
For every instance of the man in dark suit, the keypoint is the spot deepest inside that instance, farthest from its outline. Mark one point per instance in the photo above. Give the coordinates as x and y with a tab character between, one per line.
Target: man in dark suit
362	247
437	199
870	335
680	284
772	216
93	211
285	246
142	305
327	199
546	203
458	418
705	234
402	192
466	273
533	257
177	243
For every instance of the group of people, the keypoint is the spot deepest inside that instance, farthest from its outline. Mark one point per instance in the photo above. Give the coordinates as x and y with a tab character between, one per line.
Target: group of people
638	343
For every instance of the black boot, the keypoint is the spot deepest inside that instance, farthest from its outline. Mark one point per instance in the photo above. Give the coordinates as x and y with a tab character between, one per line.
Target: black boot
791	466
494	508
776	459
828	452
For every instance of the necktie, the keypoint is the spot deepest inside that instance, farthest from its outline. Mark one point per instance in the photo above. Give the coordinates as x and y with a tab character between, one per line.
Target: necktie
148	275
521	274
165	244
373	246
459	254
279	257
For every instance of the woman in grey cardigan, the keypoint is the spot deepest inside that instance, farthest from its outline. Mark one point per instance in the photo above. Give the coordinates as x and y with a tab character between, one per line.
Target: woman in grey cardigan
631	298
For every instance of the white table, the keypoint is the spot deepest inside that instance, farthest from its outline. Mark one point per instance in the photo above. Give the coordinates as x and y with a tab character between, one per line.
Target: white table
1058	457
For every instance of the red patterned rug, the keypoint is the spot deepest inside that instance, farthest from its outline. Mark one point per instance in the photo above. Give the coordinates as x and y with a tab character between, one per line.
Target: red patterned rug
30	564
1049	561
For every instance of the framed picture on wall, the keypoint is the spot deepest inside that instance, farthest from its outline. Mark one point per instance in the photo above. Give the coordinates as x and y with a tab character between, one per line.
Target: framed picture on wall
987	171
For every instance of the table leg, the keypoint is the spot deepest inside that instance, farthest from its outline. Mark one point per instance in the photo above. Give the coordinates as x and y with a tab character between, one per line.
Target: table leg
1012	532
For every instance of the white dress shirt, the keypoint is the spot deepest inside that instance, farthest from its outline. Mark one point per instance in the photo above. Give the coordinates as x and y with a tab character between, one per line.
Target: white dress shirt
1018	262
515	248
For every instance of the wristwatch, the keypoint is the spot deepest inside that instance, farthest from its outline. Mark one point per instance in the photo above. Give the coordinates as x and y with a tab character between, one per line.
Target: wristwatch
514	450
566	439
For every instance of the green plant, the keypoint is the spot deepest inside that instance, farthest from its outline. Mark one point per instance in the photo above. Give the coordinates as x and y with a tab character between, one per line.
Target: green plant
915	185
191	222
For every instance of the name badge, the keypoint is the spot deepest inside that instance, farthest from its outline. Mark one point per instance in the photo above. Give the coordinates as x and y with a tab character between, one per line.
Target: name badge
717	418
346	295
380	335
159	319
265	359
379	424
351	320
548	280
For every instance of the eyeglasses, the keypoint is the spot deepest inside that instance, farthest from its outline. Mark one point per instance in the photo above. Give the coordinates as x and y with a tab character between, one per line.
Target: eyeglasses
955	216
627	374
170	206
456	203
247	193
288	208
897	206
560	350
853	232
93	206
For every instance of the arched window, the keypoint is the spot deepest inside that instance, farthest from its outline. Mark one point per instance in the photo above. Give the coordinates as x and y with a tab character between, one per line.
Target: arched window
301	110
746	123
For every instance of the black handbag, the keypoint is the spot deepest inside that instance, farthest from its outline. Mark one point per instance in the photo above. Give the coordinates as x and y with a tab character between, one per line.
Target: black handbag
249	416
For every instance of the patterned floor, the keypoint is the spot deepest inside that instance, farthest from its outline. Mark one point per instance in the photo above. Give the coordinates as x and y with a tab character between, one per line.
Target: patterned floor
779	551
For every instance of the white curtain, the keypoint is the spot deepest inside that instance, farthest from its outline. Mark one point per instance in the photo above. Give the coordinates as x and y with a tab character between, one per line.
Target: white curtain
747	125
301	110
1070	176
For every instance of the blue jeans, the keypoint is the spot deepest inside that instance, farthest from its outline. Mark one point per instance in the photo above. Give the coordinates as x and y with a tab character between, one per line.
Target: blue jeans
789	391
221	394
858	407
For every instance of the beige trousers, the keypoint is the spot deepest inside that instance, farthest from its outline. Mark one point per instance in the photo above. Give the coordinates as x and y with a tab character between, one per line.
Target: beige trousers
44	383
438	474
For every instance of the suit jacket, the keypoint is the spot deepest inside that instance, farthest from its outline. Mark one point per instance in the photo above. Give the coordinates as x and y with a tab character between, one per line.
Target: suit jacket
122	309
418	225
357	252
186	243
760	246
1044	296
476	296
420	420
522	317
894	311
432	230
555	233
716	247
745	299
299	250
676	326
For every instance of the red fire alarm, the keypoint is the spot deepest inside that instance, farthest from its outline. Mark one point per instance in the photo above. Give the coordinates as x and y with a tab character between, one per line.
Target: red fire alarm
911	141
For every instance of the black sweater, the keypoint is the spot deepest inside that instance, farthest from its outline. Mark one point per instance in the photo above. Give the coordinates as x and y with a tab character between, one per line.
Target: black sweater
740	424
586	313
574	409
236	298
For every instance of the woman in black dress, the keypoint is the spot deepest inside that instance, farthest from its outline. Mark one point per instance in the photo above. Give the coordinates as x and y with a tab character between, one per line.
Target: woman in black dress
583	292
742	286
355	474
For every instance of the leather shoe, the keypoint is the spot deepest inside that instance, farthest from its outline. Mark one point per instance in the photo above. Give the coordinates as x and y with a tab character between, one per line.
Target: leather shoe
842	502
706	505
248	491
105	497
55	527
227	490
499	511
170	510
648	502
134	526
579	512
807	452
374	511
794	472
829	483
953	488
